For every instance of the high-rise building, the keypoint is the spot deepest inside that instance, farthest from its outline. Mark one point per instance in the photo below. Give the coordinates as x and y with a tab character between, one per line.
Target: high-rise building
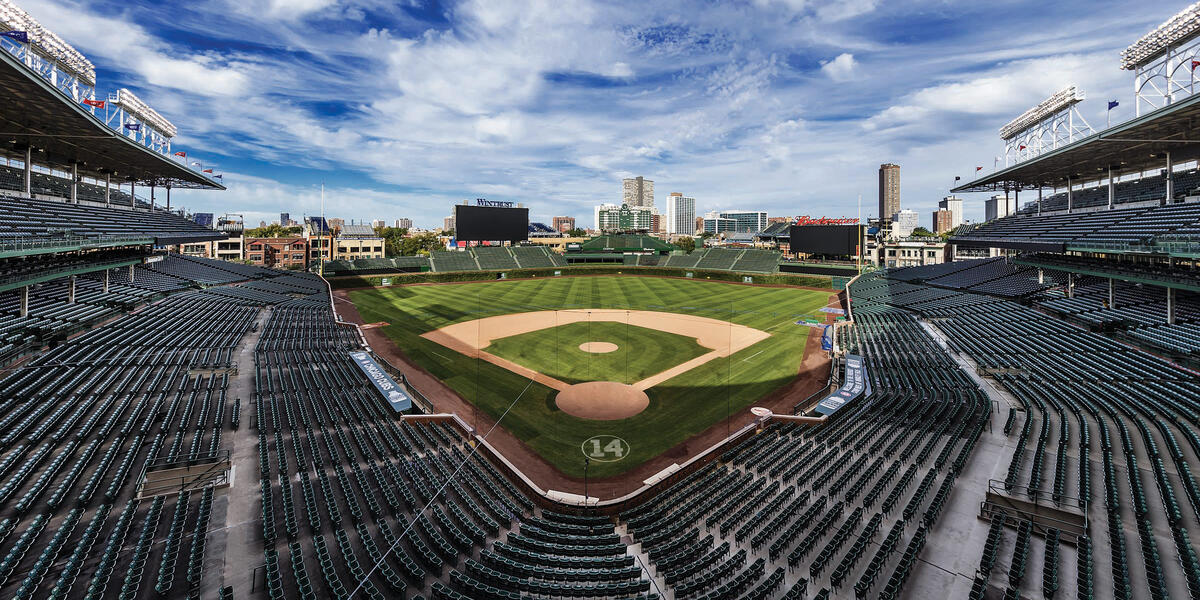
285	219
448	223
889	191
562	224
904	222
746	221
681	214
637	191
403	224
715	222
610	218
942	221
377	223
995	207
955	206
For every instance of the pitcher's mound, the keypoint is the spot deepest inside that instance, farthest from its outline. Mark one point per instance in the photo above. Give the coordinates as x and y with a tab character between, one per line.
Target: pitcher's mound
598	347
602	400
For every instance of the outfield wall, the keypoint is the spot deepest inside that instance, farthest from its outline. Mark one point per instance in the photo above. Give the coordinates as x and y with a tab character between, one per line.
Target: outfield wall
769	279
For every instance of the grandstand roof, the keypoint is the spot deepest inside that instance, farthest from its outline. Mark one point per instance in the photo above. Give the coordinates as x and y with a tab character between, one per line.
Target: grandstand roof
1137	145
61	132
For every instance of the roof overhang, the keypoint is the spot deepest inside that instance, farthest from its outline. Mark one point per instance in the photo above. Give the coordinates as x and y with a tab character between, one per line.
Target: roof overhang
38	115
1137	145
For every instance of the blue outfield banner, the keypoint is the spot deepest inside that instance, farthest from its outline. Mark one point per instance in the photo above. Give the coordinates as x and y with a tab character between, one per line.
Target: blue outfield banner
854	384
827	338
387	386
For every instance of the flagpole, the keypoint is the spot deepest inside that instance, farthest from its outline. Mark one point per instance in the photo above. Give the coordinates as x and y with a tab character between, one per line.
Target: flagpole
324	227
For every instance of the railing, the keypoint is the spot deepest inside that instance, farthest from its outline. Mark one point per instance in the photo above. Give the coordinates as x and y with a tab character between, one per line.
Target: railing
54	244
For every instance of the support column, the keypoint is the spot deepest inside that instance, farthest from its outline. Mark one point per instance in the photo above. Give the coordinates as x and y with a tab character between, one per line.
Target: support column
74	183
1069	198
107	184
152	197
1016	205
168	197
1170	182
71	290
1070	285
1112	293
132	195
1170	306
1005	203
23	301
29	171
131	273
106	272
1112	190
1039	199
1041	277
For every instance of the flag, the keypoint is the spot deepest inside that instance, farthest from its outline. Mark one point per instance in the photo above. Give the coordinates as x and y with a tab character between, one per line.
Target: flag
221	176
23	36
195	164
956	177
181	154
978	169
133	126
208	170
1021	148
1113	103
95	103
1195	63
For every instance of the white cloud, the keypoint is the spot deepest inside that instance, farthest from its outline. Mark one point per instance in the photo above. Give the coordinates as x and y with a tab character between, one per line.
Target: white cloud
840	68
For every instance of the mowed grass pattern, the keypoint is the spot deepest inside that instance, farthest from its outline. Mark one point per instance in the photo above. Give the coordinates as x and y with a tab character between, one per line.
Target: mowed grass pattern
555	351
679	408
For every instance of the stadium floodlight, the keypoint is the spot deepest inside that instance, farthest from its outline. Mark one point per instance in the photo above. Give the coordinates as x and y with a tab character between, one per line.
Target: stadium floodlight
1064	99
1180	28
44	42
139	109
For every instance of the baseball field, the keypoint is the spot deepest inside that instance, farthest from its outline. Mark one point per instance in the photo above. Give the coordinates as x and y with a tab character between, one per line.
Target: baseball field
675	356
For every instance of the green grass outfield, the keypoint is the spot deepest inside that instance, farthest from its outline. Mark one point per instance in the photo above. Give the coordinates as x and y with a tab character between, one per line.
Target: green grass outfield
555	351
679	408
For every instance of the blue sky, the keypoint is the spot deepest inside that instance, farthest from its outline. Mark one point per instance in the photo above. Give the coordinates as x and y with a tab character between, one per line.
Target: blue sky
404	108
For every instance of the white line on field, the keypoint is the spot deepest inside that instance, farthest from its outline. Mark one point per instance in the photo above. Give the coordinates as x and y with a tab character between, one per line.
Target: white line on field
440	354
747	359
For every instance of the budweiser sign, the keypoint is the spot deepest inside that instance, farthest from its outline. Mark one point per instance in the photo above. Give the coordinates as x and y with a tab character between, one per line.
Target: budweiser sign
807	220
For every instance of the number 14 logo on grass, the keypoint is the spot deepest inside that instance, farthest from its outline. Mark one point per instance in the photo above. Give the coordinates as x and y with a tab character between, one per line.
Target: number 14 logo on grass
605	448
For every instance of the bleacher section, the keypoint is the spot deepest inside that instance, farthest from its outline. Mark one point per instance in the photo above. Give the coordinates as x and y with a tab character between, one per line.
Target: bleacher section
718	258
441	261
1146	189
996	276
494	258
757	261
1136	226
1072	387
23	219
12	178
534	257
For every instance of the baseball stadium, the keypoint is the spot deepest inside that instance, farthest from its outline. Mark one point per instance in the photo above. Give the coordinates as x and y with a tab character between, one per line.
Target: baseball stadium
621	420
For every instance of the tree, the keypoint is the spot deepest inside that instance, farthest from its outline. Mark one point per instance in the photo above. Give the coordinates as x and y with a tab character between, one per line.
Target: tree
273	231
687	244
577	232
393	240
922	232
420	244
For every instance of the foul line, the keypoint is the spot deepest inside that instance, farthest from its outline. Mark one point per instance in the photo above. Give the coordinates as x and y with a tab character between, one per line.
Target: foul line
435	495
747	359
